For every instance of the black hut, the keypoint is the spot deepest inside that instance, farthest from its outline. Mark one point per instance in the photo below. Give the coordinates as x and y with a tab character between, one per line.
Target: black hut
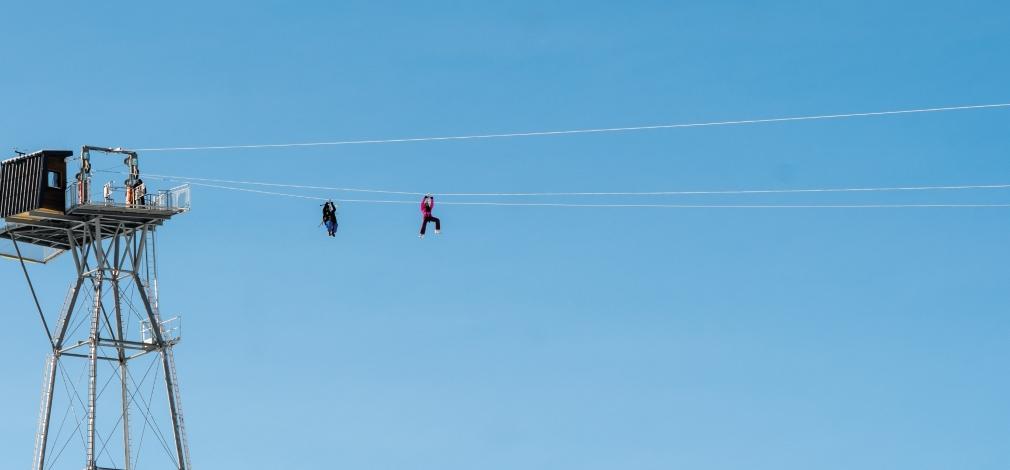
32	182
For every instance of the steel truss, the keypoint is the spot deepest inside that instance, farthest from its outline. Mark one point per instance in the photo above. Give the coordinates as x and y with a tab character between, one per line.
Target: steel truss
115	260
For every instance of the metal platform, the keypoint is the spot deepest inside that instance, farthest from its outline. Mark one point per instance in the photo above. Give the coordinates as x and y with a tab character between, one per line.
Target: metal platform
52	233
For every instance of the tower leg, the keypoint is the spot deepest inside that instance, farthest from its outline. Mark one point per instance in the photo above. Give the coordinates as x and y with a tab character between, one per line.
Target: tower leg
167	362
46	412
49	386
93	371
118	258
123	373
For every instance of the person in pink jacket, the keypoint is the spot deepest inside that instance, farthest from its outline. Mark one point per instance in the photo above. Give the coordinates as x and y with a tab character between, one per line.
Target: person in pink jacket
427	204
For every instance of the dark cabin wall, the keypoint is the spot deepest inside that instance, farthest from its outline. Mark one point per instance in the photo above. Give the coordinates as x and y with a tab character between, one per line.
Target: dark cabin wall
23	185
54	199
21	191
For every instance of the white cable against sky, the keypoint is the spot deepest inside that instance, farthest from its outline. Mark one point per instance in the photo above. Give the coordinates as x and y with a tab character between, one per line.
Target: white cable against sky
629	193
276	185
580	131
256	191
661	206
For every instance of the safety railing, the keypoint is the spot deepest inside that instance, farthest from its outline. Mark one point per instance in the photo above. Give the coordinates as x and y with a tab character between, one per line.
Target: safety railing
85	193
170	199
171	331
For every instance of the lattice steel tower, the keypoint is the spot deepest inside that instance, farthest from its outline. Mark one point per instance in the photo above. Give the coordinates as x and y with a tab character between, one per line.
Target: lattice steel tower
111	348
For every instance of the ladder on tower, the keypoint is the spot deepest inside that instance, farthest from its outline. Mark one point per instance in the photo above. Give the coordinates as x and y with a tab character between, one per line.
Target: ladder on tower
170	357
65	309
152	294
48	374
151	267
47	392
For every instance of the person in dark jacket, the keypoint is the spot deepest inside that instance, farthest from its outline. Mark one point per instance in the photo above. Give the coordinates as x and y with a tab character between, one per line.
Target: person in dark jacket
330	218
140	193
427	204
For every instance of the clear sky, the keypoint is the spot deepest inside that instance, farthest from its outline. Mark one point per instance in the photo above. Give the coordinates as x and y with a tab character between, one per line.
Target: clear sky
545	338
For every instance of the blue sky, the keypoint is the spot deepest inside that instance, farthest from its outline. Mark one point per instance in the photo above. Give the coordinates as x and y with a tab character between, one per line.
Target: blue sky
548	337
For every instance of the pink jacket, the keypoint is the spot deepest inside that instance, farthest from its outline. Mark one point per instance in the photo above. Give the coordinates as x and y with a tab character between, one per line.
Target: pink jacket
426	208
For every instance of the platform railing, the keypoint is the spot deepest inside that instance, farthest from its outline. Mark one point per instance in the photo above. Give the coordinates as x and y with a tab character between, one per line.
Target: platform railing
171	331
80	194
175	198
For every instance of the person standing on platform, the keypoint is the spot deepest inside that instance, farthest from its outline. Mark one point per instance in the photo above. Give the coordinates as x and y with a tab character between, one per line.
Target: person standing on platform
140	193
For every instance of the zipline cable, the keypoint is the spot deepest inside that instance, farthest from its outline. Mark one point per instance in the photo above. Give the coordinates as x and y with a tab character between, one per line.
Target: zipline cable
579	131
192	180
666	206
277	185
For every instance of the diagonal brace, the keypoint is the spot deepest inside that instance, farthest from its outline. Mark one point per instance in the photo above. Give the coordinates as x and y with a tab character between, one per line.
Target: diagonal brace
28	278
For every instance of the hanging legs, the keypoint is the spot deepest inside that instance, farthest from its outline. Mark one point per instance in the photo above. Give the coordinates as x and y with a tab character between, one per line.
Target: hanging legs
424	225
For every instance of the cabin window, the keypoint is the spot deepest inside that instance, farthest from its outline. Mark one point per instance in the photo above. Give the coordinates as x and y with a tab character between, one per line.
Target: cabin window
53	179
